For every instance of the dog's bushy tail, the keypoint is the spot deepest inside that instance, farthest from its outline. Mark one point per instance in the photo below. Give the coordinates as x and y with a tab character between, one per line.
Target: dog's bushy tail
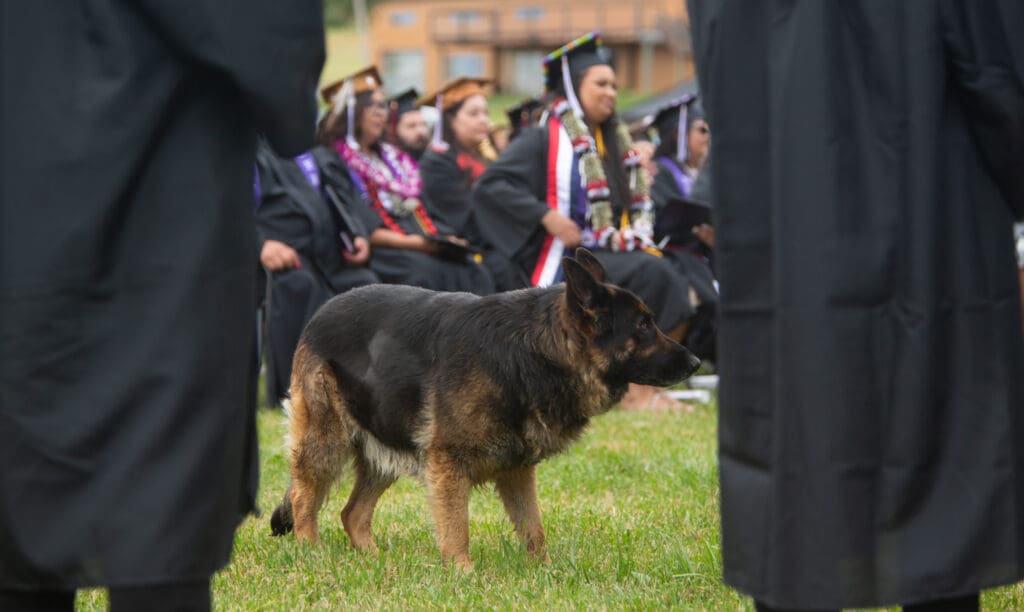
281	522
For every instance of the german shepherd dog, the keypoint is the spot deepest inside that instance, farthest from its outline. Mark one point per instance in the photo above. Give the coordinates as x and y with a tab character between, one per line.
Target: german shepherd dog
460	390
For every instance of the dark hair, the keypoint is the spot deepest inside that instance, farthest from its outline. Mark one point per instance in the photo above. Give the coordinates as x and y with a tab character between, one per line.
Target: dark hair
334	127
614	169
447	117
668	141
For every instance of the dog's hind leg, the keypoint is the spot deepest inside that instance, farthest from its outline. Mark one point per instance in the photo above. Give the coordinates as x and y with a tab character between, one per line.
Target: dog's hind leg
319	441
518	492
449	503
357	516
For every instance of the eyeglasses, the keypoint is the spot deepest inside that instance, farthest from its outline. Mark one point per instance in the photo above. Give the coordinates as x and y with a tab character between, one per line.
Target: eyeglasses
382	105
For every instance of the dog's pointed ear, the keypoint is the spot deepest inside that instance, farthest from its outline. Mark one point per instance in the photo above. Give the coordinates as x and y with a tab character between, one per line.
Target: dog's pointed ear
583	292
590	263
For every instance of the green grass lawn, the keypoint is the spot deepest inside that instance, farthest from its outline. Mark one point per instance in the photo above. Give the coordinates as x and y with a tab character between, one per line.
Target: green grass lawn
629	515
630	512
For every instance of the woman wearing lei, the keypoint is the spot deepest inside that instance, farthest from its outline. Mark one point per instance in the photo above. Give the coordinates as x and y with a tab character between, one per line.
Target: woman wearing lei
409	246
575	181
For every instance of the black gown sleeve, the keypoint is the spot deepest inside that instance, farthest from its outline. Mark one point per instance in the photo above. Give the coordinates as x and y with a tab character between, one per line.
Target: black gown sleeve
510	194
258	45
985	51
334	173
277	218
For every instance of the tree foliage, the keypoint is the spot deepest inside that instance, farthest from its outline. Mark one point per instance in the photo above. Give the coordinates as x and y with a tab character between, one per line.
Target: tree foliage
340	13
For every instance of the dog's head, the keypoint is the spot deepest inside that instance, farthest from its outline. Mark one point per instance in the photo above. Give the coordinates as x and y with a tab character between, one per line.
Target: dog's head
619	330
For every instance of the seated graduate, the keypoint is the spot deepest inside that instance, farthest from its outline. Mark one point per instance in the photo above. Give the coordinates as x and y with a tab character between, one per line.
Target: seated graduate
309	252
576	181
683	229
455	161
407	128
409	246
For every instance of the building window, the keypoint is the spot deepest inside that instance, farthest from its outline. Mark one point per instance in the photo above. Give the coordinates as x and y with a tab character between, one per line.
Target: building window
465	17
530	13
403	69
464	65
403	19
528	74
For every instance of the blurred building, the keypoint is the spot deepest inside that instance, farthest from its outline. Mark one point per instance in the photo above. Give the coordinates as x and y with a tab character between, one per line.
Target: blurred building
422	43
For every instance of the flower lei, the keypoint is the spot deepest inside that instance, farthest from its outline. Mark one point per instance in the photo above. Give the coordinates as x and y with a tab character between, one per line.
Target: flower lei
420	214
404	182
636	229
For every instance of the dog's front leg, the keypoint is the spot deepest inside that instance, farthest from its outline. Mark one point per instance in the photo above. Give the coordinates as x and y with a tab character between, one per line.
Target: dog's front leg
518	491
449	502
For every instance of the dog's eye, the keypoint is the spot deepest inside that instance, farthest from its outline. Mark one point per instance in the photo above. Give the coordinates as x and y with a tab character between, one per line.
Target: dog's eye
644	324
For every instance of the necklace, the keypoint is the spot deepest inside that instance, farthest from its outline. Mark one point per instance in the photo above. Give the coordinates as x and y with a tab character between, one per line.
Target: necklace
636	228
400	166
395	178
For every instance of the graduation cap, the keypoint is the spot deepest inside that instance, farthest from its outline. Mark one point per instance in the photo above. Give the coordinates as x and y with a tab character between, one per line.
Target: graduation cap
404	102
524	114
673	119
450	94
341	95
572	59
366	79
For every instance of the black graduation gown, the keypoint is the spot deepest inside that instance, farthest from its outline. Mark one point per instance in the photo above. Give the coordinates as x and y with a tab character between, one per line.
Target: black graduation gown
685	250
293	212
447	189
510	201
127	278
871	352
405	267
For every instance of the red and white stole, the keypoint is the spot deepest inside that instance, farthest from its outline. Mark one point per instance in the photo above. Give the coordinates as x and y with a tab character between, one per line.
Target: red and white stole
548	269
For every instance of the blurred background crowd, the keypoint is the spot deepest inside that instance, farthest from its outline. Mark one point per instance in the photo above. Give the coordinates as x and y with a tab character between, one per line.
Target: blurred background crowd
438	163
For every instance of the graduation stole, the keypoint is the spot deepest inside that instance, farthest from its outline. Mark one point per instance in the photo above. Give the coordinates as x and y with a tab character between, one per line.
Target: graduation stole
470	165
635	230
369	191
561	162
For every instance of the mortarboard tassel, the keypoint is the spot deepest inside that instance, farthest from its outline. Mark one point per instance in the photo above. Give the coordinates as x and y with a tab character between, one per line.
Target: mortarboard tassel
682	144
438	142
570	93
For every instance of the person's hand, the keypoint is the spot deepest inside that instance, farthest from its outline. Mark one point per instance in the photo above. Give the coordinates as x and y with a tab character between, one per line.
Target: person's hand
645	149
277	256
416	242
562	227
705	233
362	254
